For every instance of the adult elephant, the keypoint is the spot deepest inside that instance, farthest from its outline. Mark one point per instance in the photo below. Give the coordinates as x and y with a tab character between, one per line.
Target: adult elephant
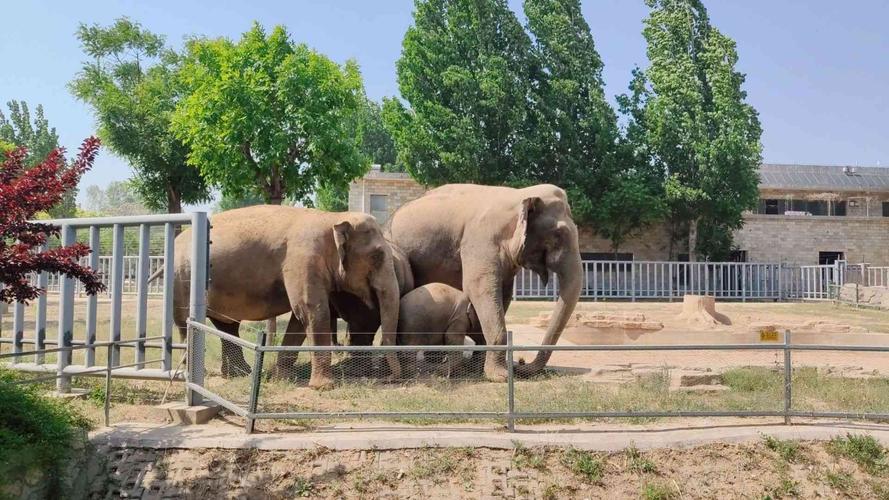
267	260
475	238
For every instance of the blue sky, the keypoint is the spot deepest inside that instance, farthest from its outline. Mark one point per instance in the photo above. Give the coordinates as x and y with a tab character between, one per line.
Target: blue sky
817	70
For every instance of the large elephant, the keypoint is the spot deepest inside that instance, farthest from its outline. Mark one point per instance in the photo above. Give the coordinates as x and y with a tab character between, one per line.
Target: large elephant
476	238
268	260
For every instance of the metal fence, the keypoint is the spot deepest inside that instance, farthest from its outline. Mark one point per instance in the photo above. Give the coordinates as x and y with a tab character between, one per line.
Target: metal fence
120	274
632	280
130	275
475	399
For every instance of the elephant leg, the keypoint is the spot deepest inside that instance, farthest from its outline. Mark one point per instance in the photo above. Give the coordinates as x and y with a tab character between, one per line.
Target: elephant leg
486	295
295	335
233	362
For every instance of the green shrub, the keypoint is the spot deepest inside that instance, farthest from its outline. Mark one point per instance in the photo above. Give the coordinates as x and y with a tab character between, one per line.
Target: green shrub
863	450
34	430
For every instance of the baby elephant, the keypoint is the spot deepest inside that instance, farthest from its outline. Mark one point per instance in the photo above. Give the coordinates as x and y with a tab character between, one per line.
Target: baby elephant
436	314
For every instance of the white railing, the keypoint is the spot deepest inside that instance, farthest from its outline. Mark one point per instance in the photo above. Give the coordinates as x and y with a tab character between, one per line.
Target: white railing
130	275
877	276
668	280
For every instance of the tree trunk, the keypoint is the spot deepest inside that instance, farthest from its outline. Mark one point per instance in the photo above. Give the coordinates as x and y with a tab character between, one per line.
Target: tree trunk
693	240
174	201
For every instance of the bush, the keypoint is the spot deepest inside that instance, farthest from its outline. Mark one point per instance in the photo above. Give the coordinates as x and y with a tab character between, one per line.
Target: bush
35	431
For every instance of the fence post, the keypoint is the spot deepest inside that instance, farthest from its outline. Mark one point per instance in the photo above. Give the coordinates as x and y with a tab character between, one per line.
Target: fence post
839	291
108	363
66	317
40	321
744	282
510	384
197	302
18	329
92	300
167	328
781	282
116	289
788	378
142	272
633	281
670	279
255	382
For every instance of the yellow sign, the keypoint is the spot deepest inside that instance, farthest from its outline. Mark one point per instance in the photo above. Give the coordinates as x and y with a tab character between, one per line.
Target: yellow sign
768	335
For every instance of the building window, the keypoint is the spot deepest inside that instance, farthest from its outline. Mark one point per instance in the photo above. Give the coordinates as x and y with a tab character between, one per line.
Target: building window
886	209
771	207
839	209
379	207
829	258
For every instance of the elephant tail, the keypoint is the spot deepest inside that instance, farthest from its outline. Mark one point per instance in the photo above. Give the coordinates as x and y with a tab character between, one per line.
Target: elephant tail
155	275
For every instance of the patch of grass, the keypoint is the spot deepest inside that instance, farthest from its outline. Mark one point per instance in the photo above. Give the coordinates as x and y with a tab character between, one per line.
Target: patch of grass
786	487
840	481
637	462
527	458
862	449
434	464
880	489
34	430
585	464
658	491
303	488
753	379
787	449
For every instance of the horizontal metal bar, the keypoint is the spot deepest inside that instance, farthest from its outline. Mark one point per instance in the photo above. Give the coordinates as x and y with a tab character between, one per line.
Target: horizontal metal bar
128	220
648	414
217	399
80	345
843	415
225	336
394	414
523	348
853	348
99	371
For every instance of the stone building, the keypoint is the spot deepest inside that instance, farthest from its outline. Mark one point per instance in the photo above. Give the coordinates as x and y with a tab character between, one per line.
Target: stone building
806	215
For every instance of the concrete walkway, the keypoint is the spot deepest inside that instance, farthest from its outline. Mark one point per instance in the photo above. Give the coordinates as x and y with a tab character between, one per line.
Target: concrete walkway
602	437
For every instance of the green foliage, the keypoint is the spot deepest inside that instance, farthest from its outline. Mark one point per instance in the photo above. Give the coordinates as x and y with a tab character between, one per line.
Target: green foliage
374	140
658	491
231	202
864	450
464	73
637	462
689	118
132	86
585	464
267	115
40	139
332	198
788	450
33	429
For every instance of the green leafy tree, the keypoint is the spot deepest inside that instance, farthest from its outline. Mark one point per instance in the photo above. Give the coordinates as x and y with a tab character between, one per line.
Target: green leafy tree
40	139
689	116
267	115
118	198
374	140
231	202
573	139
463	71
131	83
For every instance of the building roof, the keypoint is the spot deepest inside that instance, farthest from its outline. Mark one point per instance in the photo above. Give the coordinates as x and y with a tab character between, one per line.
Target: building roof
820	177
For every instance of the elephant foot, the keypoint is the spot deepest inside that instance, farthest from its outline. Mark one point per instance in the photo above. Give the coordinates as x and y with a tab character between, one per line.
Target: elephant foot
280	372
321	382
238	370
496	372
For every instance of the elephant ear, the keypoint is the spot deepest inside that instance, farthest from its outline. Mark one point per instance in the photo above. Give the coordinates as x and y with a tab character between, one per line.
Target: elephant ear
530	209
341	233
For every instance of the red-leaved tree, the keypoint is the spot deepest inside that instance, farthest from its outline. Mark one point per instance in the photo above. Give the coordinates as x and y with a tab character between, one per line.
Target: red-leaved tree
24	191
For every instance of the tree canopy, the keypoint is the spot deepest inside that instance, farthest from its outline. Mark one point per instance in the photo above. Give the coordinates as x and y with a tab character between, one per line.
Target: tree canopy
689	116
39	140
464	73
265	114
118	198
132	85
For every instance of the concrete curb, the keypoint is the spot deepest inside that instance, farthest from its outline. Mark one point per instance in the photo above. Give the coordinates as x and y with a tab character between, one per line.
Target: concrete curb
601	438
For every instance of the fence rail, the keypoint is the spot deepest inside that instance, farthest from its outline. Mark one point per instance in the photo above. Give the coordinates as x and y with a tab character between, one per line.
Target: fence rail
248	406
632	280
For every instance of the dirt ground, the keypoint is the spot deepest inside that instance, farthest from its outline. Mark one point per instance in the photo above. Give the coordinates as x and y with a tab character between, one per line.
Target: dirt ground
764	469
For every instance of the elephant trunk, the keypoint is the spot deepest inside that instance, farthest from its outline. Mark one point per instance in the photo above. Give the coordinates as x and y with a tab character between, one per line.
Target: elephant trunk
388	298
570	273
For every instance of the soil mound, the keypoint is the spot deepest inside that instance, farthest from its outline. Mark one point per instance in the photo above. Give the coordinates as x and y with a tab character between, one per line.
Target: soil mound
700	310
602	327
808	327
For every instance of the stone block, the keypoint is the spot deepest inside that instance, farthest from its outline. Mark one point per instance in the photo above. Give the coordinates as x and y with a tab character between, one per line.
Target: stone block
182	413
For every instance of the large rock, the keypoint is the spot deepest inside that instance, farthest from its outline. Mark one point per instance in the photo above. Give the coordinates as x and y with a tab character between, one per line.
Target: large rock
700	310
602	327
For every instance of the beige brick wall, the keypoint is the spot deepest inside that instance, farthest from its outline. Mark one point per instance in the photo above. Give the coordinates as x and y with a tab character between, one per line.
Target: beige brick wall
398	189
797	240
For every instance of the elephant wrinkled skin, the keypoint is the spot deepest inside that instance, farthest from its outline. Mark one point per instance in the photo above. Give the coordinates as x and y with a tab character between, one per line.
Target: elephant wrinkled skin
436	314
476	238
267	260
